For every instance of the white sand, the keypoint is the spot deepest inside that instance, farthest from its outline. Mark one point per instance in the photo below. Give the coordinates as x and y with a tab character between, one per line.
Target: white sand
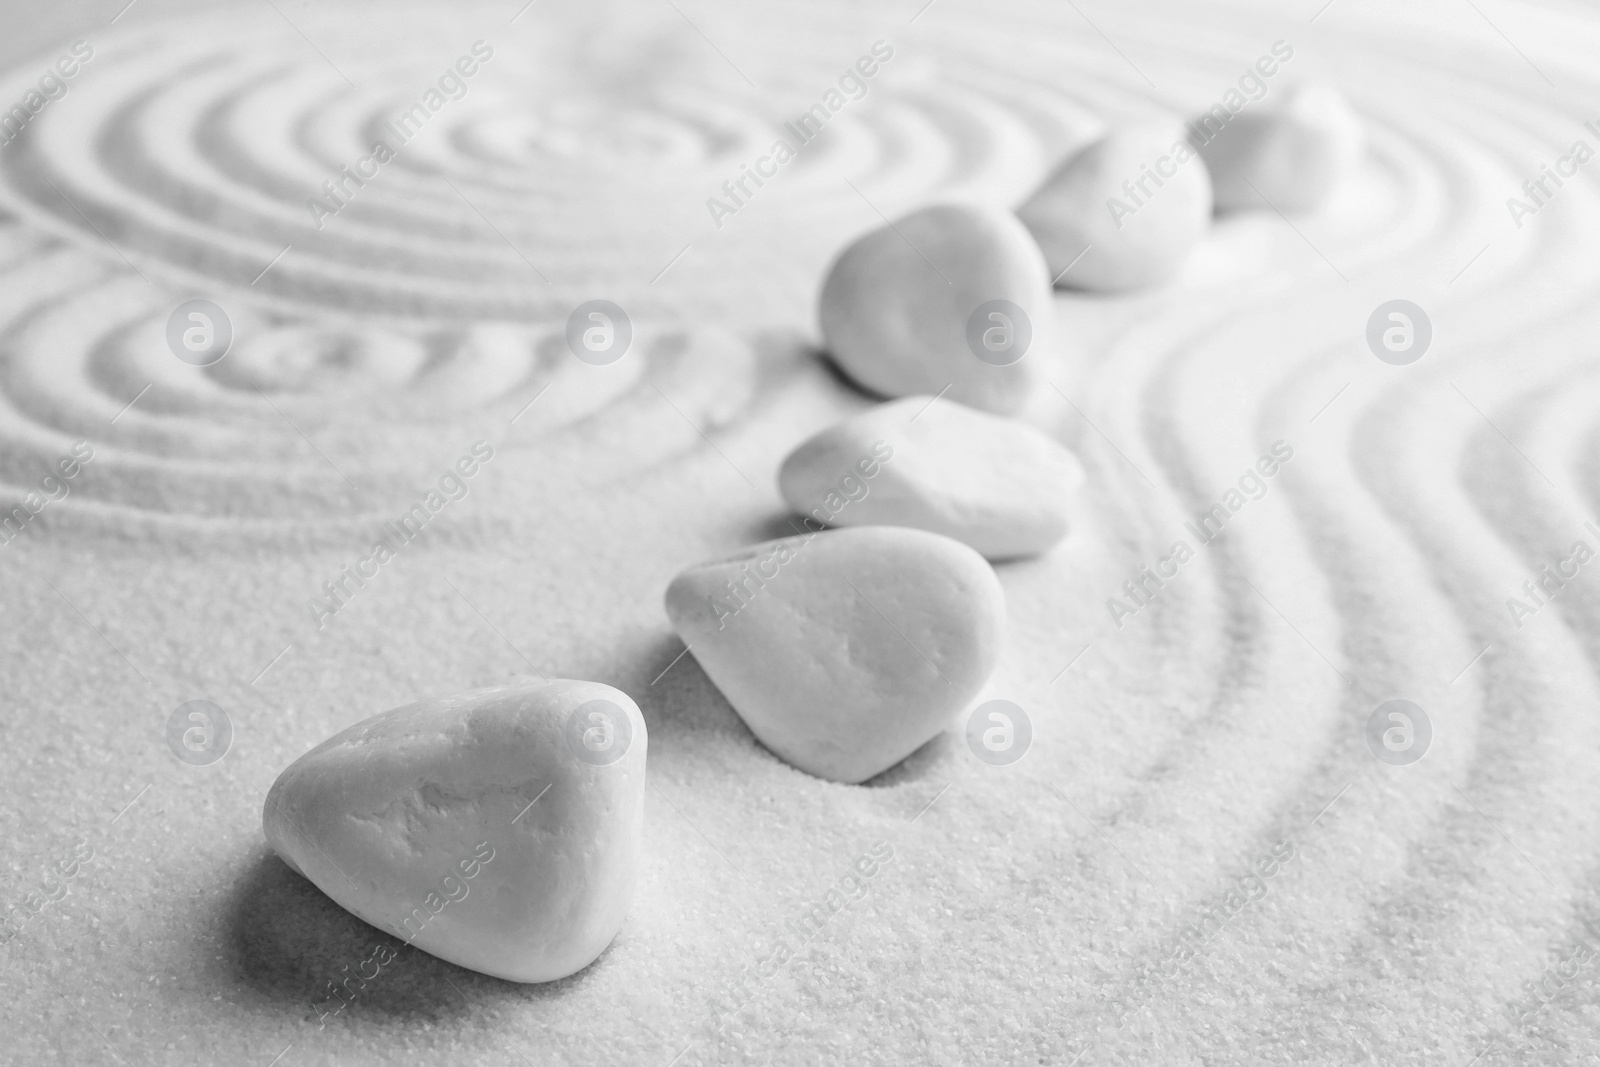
1026	902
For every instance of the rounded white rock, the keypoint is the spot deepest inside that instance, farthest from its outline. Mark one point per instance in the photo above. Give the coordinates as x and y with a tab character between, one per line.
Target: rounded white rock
909	308
1123	212
1290	157
990	482
844	651
498	829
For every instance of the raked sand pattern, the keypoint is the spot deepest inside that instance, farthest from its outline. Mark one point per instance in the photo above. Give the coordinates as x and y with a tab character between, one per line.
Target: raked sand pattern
1027	913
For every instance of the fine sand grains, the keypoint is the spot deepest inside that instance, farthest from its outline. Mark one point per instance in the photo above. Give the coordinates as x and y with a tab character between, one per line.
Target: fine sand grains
1010	913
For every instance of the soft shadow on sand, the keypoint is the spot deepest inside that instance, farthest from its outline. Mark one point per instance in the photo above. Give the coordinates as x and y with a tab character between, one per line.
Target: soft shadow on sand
682	701
921	764
285	940
824	359
785	524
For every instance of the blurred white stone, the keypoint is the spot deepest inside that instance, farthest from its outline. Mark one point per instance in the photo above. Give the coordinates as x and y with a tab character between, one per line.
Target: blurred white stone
991	482
1123	212
418	821
844	651
1290	155
952	296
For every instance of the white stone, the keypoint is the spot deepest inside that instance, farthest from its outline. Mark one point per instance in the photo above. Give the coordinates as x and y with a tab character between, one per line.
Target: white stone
1124	212
988	481
898	306
846	650
418	821
1290	157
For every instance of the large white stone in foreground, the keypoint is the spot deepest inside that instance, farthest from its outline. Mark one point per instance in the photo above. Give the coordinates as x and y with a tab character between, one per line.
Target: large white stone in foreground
990	482
911	308
846	650
417	821
1123	212
1290	156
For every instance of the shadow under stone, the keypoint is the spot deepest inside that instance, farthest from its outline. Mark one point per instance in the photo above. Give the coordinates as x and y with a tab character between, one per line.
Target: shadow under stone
288	942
